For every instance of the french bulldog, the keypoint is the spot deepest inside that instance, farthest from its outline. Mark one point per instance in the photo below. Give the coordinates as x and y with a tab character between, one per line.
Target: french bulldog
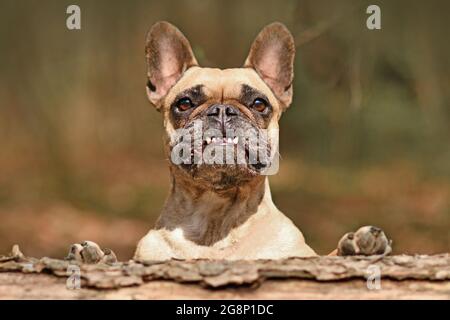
223	210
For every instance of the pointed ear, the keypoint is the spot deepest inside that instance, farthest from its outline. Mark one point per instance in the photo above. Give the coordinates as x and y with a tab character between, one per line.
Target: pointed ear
272	56
169	55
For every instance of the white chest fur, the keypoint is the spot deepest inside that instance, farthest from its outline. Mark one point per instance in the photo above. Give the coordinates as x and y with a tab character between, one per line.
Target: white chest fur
267	234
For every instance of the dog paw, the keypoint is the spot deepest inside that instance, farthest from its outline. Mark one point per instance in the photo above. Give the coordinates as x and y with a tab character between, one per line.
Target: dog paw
90	253
367	241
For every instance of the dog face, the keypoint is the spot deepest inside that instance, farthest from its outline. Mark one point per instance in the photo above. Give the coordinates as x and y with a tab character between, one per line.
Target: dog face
219	107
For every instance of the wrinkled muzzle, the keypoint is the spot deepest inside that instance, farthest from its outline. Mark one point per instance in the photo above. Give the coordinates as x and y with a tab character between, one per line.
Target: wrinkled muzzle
221	144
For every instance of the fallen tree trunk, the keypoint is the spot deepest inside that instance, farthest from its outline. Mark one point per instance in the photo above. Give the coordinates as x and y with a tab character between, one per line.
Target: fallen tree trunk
401	277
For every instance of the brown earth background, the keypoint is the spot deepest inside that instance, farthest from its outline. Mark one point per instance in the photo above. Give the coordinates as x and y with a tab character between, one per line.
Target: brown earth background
366	140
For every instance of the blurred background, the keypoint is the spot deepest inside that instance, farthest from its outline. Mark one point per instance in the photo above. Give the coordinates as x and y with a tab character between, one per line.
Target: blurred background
366	140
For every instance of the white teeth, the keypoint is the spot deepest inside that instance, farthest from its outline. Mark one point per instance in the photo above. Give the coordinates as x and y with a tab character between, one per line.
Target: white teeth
234	140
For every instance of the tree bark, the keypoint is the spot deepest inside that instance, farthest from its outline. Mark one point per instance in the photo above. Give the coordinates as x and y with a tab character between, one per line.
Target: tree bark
402	277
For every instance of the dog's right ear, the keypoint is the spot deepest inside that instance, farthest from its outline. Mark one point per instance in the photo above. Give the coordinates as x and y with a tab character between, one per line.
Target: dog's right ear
169	55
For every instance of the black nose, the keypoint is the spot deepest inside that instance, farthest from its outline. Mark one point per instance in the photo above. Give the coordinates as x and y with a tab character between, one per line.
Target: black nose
221	112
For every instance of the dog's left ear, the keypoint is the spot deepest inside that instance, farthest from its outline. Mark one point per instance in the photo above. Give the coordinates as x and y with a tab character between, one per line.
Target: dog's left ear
272	56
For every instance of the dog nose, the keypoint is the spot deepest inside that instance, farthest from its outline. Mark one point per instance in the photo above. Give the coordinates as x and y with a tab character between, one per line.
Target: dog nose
221	112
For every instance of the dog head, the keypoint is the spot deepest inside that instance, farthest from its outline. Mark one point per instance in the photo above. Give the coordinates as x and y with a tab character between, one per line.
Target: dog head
219	107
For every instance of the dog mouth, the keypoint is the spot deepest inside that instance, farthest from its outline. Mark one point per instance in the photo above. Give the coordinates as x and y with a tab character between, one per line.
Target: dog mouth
221	141
234	154
228	153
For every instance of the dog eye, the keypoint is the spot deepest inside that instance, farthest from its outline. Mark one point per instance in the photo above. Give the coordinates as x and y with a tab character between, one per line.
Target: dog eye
259	105
184	104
